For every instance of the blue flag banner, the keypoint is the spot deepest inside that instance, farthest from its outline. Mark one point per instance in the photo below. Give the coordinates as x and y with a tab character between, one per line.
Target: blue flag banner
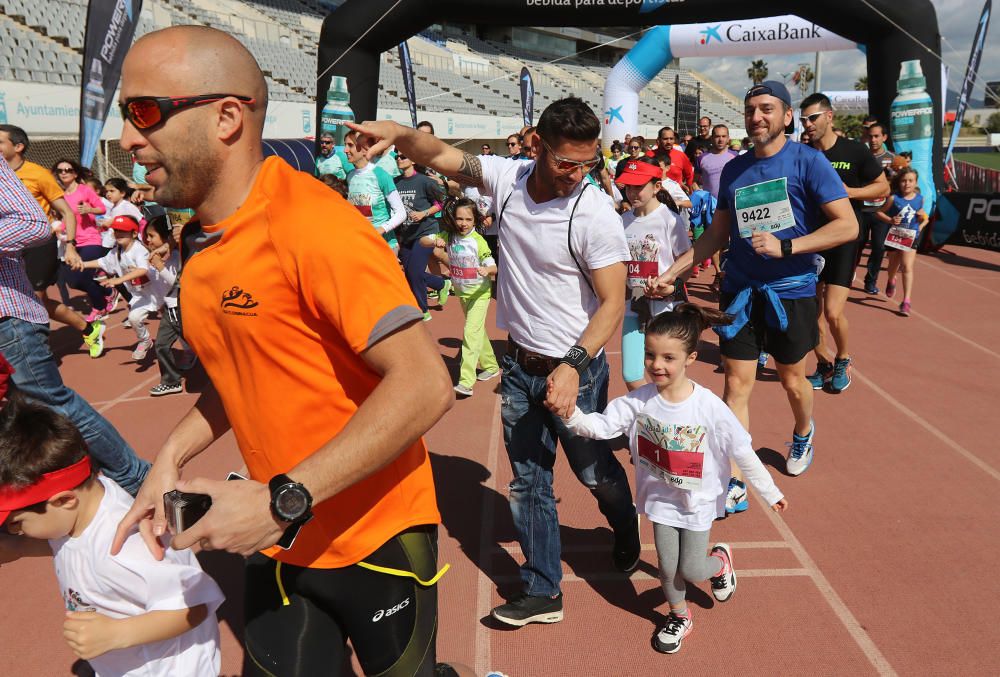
406	65
970	76
110	28
527	97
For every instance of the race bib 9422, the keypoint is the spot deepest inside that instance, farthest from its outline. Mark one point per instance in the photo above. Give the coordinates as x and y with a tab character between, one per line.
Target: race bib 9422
764	207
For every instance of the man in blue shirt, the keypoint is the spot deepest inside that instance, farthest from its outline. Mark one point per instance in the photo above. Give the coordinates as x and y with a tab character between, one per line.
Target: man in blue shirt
771	204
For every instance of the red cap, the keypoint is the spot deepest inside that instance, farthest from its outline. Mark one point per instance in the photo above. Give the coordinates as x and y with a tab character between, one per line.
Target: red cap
125	222
47	486
639	173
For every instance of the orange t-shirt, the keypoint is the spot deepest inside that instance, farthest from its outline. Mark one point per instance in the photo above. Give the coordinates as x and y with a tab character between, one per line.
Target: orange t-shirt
278	310
41	184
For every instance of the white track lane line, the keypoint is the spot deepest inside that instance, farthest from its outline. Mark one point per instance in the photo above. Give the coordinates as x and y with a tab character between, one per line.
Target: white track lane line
840	609
127	395
960	278
515	549
484	597
945	439
641	576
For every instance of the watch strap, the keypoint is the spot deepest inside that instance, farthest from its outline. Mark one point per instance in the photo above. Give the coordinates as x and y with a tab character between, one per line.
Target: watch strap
786	247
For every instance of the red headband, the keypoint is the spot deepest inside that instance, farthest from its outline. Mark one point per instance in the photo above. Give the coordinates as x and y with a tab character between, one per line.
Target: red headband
639	173
50	484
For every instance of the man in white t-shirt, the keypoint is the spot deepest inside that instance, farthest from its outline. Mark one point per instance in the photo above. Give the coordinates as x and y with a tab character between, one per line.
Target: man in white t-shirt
560	299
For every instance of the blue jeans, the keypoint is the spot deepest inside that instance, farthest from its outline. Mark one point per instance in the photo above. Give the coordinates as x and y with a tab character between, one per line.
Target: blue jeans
530	432
26	347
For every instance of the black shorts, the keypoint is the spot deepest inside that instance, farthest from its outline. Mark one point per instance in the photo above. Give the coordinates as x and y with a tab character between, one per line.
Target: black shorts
41	263
840	264
786	347
298	620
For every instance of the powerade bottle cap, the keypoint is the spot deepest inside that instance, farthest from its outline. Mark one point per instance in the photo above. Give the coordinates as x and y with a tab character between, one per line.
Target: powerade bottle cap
338	88
911	76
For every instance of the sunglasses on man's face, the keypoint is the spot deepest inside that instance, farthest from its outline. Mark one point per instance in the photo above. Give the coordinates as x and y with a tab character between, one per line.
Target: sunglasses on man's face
148	111
564	164
811	119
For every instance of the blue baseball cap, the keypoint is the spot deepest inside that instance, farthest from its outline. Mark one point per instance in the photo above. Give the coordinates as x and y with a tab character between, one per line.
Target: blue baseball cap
772	88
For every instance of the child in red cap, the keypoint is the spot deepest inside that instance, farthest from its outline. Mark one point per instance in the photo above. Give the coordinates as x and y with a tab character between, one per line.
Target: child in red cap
128	263
127	614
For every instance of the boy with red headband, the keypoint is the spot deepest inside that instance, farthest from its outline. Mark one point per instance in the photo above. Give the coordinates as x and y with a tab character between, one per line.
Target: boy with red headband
127	614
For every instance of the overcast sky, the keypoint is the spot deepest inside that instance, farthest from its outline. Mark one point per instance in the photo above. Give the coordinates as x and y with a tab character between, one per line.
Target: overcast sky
840	70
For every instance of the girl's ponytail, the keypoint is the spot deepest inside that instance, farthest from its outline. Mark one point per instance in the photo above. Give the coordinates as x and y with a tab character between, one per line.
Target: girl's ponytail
686	322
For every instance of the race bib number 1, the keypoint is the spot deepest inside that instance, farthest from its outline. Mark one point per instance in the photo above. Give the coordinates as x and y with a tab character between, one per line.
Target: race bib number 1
764	207
671	452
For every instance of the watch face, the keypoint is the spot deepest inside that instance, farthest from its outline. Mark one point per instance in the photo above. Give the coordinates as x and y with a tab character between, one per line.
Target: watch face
576	355
291	502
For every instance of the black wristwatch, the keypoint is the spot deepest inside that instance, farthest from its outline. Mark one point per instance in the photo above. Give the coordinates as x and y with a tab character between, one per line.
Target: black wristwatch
290	500
72	242
786	247
577	357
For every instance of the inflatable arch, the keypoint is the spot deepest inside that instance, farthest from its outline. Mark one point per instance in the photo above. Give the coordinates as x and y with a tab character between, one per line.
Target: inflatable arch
892	33
757	37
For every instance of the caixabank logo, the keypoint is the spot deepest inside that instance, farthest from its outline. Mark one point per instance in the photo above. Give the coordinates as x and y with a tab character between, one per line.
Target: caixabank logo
737	32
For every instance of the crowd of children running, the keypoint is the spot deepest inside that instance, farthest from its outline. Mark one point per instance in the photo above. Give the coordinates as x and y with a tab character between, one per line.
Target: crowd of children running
129	252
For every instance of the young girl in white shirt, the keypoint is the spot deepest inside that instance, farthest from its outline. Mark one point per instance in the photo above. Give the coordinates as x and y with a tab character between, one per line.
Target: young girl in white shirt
682	439
656	237
128	262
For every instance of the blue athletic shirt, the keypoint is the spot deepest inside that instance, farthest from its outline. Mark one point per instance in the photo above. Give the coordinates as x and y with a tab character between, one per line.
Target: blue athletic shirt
811	182
908	209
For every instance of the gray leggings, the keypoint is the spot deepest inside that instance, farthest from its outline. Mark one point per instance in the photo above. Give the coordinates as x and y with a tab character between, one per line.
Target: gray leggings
683	557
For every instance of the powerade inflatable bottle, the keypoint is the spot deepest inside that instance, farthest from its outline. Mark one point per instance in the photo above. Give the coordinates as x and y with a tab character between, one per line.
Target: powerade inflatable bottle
336	110
911	125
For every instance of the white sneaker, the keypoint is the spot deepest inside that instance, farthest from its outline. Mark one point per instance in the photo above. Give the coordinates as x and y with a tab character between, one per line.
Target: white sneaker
801	452
724	585
465	391
668	639
487	375
140	350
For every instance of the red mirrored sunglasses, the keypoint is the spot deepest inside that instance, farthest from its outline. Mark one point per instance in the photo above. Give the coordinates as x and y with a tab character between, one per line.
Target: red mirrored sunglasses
148	111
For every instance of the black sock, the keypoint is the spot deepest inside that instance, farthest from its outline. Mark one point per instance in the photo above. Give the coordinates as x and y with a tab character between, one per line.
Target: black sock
89	328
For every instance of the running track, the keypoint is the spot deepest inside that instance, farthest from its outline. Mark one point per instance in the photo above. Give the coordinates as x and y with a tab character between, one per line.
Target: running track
883	564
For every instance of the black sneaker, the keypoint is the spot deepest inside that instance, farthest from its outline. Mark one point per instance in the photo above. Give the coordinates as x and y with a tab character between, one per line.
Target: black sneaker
627	547
529	609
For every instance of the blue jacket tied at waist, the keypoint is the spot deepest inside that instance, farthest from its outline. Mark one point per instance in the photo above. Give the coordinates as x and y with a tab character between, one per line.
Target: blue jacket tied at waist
742	303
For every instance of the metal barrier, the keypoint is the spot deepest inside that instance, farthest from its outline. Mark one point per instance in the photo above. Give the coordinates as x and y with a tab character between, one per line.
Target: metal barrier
975	179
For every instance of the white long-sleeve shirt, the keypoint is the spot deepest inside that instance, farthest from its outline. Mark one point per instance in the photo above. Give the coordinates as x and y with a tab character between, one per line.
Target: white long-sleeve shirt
681	453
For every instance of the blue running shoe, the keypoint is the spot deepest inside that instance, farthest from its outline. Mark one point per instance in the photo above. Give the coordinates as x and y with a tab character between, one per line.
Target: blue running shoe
736	497
841	379
822	375
762	360
801	454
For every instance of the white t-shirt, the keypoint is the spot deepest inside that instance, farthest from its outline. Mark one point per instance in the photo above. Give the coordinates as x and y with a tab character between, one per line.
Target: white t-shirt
163	280
133	583
654	241
543	300
146	295
123	208
681	453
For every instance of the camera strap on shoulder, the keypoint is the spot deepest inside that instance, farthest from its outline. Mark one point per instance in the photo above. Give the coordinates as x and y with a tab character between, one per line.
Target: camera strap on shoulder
569	230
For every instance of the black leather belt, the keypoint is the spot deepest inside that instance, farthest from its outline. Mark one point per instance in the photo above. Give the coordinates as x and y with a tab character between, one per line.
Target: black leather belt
532	363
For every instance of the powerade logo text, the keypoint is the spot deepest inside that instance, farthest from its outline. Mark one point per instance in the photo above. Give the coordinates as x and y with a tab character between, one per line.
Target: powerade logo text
122	15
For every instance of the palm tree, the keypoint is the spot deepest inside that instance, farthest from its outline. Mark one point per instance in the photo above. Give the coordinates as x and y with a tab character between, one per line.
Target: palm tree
861	84
803	76
757	71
